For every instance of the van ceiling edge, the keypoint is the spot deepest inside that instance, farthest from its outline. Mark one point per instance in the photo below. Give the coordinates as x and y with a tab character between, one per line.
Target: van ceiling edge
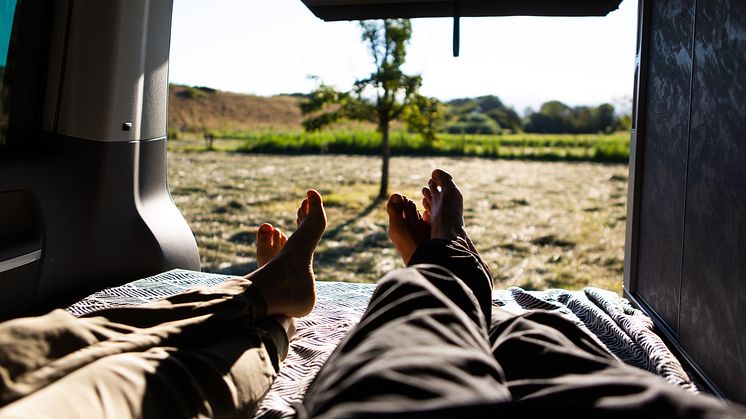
335	10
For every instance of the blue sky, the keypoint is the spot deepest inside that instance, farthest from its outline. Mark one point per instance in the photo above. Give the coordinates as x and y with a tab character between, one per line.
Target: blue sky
271	47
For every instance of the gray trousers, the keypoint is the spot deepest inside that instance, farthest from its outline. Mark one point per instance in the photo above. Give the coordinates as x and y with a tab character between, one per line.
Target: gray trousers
425	348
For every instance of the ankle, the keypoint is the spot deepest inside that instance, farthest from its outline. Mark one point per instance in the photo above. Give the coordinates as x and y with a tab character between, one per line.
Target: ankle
447	233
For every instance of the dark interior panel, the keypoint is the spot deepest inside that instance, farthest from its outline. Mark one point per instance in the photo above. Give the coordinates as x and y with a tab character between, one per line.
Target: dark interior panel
714	270
20	232
664	158
376	9
18	287
20	249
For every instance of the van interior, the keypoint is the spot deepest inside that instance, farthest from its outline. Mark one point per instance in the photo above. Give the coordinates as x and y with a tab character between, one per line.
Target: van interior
85	205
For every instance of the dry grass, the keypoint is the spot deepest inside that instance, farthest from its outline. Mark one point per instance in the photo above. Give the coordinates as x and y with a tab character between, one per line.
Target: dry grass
230	111
538	225
226	111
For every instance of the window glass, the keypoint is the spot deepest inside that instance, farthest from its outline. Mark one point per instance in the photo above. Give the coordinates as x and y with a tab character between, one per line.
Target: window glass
7	12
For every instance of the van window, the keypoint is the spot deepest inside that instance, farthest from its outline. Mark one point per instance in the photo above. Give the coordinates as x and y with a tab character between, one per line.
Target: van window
7	13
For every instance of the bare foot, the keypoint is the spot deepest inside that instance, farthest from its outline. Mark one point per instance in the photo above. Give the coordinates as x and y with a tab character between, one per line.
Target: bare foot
445	206
289	324
407	229
287	280
444	209
269	241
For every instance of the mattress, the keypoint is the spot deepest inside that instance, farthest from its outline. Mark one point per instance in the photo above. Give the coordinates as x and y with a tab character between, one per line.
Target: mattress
625	332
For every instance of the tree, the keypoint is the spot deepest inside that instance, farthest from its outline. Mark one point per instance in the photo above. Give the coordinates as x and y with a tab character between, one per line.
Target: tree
605	119
556	117
384	96
504	117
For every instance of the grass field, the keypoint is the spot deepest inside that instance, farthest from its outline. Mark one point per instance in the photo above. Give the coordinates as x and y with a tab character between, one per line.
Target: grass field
545	147
538	224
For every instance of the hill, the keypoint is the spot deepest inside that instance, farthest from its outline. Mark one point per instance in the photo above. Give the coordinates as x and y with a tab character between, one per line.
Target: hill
197	109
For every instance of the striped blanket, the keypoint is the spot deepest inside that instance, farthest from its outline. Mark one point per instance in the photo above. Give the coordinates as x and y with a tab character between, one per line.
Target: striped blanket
626	332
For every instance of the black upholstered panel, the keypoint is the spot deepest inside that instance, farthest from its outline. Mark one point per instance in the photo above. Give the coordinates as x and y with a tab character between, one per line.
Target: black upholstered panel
661	214
713	305
385	9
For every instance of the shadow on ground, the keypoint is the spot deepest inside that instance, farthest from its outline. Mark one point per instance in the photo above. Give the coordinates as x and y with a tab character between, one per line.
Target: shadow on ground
329	256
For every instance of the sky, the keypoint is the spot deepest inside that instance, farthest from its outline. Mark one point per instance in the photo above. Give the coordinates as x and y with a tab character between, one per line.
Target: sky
272	47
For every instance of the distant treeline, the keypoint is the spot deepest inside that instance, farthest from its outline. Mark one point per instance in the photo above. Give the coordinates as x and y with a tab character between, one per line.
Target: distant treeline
488	115
548	147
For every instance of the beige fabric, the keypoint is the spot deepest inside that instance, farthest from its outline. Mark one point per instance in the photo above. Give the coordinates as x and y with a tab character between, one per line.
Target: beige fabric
208	352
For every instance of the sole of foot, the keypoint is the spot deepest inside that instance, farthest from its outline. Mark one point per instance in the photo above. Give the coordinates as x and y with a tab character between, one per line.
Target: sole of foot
407	229
269	241
287	280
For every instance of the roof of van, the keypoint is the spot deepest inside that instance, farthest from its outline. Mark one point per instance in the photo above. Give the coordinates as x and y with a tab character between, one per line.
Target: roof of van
331	10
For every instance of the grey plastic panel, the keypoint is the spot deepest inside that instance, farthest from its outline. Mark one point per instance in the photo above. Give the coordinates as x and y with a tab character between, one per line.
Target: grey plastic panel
713	305
155	89
107	219
116	70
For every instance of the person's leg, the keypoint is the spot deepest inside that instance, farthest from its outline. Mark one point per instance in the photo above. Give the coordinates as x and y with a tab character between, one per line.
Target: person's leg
549	361
144	373
418	351
421	345
439	236
207	352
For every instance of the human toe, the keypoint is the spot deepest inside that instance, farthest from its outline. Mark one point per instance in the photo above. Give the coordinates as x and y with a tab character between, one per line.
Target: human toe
315	202
427	198
302	211
442	178
434	191
276	238
410	210
264	233
395	204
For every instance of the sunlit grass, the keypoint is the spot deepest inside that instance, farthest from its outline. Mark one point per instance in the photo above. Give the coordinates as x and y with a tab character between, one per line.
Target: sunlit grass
537	224
523	146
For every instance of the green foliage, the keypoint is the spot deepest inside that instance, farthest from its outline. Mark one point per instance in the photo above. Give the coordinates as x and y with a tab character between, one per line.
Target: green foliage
173	134
556	117
385	95
205	89
474	123
426	116
568	147
504	117
611	151
192	93
507	118
327	106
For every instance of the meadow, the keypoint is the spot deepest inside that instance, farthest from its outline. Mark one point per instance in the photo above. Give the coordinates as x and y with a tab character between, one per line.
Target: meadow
537	224
545	147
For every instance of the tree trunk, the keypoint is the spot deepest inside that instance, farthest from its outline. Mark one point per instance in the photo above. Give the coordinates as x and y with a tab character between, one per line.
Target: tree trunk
386	154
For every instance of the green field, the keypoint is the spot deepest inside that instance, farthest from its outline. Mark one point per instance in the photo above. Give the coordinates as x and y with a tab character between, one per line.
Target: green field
523	146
